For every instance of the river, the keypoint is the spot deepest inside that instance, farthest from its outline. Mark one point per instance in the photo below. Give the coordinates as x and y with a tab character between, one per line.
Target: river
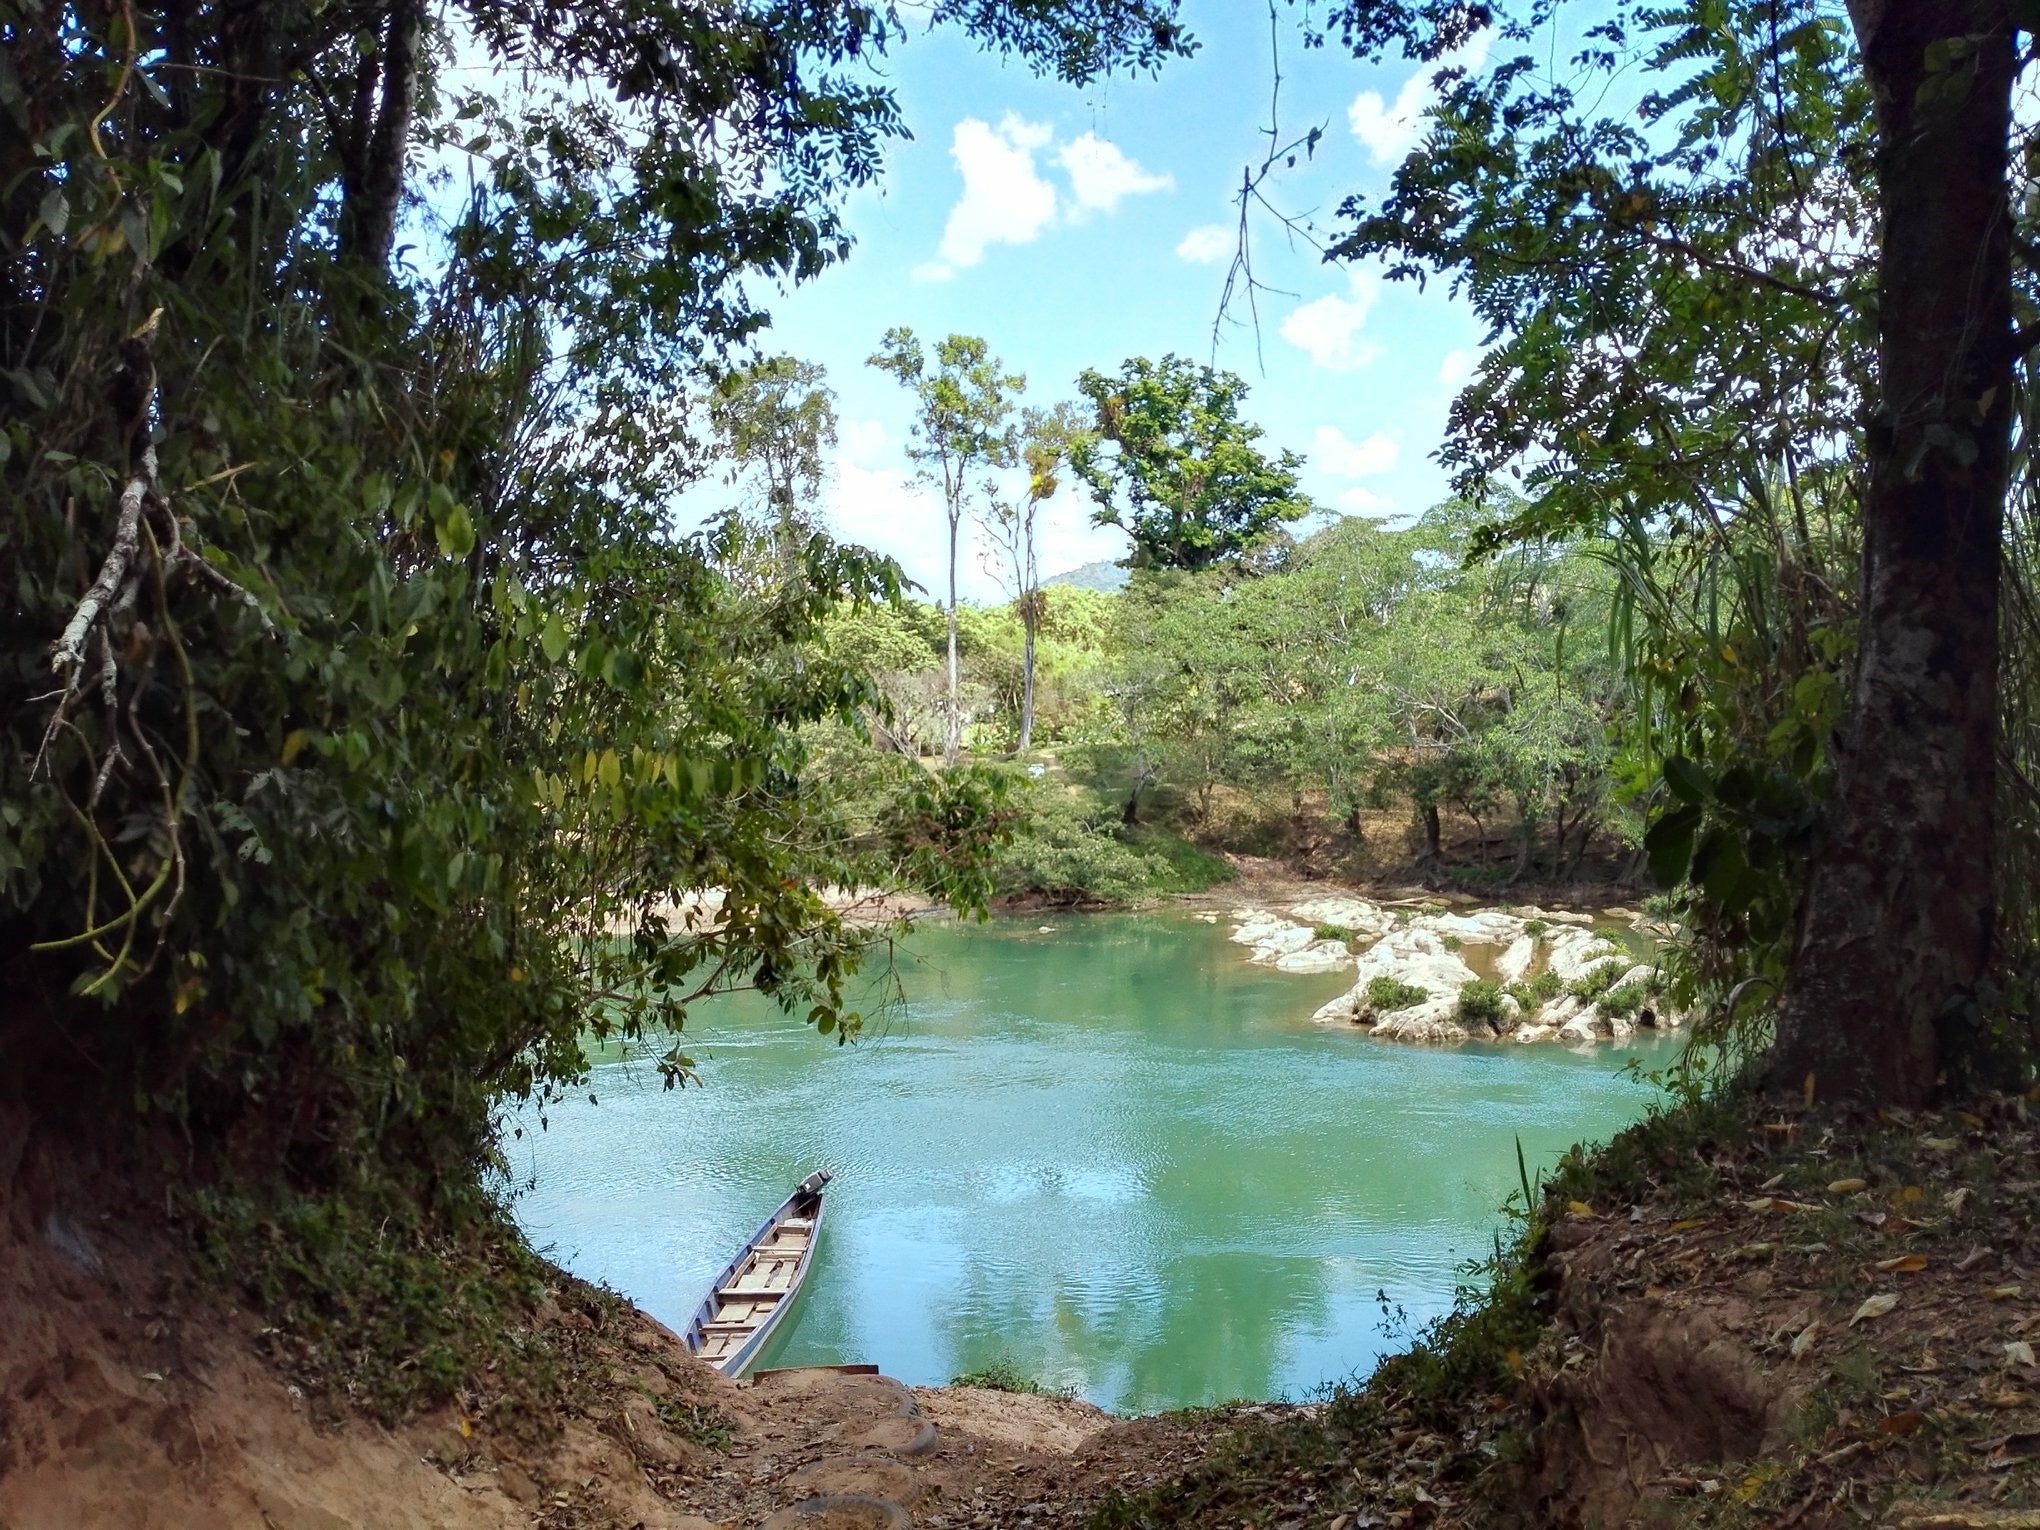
1116	1157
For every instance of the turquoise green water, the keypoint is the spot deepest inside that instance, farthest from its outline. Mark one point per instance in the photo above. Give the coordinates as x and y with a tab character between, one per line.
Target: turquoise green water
1117	1157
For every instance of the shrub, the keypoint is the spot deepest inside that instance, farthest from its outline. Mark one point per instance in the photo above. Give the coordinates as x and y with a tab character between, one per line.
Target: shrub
1067	856
1480	1003
1536	929
1534	993
1386	994
1596	980
1626	1000
1336	932
1450	942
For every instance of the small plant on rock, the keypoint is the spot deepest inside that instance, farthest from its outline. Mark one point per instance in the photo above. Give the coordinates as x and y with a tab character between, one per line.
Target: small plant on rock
1595	981
1336	932
1386	994
1480	1003
1534	993
1625	1000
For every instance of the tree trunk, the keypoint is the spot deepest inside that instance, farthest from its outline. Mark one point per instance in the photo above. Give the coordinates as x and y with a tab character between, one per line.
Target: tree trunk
1129	815
1028	617
373	172
1433	833
953	732
1895	928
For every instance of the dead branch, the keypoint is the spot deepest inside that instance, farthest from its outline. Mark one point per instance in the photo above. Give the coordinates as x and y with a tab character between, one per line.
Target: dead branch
68	655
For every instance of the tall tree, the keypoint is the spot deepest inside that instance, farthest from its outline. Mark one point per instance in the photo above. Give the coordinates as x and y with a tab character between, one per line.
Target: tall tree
1048	439
1183	476
776	422
962	425
1695	314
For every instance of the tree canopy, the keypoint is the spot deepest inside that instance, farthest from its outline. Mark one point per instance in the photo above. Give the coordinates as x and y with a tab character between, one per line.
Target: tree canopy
1172	463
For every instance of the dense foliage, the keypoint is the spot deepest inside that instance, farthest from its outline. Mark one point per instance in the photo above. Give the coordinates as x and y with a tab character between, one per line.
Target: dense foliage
1279	705
393	739
1171	461
1753	328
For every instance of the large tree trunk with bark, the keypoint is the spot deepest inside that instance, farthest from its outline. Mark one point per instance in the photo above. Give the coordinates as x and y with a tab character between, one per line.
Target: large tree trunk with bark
1895	929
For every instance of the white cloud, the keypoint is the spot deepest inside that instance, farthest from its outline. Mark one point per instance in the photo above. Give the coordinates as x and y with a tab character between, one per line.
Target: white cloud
1388	130
881	507
1343	458
1004	201
1207	244
1457	369
1101	175
1328	329
1359	501
862	441
1007	200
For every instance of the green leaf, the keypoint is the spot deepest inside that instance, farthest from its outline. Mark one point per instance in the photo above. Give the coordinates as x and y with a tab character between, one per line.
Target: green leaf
456	531
552	639
1669	845
56	212
1686	780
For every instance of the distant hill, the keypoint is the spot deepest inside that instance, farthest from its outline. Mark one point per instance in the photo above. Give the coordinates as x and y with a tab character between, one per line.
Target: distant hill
1103	575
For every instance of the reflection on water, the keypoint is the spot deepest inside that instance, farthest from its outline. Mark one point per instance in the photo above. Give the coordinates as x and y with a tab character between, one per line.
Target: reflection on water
1117	1156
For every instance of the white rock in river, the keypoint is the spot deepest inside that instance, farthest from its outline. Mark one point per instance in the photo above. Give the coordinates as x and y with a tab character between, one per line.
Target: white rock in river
1355	914
1252	925
1344	1010
1572	953
1490	927
1513	965
1318	956
1420	958
1436	1019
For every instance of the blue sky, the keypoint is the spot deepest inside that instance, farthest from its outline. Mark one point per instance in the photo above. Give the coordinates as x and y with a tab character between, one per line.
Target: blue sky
1075	229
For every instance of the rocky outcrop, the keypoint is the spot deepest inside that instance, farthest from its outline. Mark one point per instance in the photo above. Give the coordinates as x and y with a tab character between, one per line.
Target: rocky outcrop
1413	962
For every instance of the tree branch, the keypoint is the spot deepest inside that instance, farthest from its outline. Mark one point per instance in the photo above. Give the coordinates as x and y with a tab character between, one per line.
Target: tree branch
68	655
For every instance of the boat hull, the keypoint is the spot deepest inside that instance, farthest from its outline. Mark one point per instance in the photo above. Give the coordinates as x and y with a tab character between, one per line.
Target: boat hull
750	1297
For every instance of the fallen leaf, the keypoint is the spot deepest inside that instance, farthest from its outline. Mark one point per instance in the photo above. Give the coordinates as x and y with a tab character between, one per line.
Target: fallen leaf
1957	1199
1902	1423
2002	1293
2008	1397
1906	1195
1939	1144
1971	1260
1968	1118
1773	1182
1687	1225
1805	1340
1904	1264
1874	1307
1579	1208
1848	1186
2019	1352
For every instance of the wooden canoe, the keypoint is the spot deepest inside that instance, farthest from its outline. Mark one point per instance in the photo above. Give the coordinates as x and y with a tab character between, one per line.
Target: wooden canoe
754	1290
